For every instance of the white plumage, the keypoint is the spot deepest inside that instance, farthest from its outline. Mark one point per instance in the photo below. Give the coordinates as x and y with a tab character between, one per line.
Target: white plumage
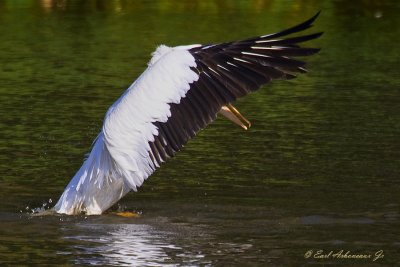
119	160
180	92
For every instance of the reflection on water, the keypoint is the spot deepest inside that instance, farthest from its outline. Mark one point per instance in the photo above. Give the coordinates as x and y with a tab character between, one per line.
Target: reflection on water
110	241
210	239
123	245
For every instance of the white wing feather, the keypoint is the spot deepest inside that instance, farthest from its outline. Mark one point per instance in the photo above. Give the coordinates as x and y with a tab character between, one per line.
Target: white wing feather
128	126
120	160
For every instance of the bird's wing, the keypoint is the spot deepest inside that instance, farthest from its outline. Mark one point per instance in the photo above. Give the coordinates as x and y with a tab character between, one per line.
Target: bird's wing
184	88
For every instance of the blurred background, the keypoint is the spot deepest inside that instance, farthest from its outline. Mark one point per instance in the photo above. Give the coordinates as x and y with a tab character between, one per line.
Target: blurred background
319	169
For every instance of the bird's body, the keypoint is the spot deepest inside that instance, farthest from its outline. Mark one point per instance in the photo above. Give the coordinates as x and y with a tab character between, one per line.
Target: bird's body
120	160
181	91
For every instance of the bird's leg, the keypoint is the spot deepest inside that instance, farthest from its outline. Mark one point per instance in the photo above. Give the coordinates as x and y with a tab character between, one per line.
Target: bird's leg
231	113
128	214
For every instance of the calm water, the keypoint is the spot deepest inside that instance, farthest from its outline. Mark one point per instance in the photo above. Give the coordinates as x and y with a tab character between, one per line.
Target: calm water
319	169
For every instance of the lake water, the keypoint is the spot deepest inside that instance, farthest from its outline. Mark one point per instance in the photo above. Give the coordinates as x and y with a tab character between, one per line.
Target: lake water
318	170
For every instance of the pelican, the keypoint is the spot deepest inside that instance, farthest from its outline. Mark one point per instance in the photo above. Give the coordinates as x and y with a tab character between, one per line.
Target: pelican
181	92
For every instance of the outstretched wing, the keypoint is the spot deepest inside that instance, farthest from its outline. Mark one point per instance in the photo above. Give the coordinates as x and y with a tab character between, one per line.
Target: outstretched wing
184	88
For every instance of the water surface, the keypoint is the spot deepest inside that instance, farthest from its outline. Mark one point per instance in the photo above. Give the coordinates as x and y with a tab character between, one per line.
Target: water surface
318	170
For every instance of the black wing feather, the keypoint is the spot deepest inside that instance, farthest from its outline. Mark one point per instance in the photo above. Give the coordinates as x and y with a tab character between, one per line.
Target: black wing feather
226	72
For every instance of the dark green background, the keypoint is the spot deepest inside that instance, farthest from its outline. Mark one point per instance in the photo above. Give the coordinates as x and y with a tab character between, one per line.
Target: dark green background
319	169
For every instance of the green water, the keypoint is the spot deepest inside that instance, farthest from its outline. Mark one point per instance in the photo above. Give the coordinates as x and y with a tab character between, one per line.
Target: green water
318	170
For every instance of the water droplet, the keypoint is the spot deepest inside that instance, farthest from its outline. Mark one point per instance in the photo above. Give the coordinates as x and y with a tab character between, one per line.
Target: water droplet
378	14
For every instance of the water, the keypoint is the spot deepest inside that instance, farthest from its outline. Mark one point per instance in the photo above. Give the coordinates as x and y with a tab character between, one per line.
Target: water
319	169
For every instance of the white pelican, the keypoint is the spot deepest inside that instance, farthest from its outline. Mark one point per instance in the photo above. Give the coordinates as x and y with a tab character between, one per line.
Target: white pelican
181	92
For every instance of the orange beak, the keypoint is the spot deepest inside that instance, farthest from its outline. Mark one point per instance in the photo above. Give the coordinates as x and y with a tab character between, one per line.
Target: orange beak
232	114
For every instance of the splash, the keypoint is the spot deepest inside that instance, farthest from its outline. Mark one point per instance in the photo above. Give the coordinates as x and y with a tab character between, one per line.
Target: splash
44	209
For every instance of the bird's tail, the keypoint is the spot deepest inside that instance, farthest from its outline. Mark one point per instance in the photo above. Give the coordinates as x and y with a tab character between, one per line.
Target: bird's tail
95	187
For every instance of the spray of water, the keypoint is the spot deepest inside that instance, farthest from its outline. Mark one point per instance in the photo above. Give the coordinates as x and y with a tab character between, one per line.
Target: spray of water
44	209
